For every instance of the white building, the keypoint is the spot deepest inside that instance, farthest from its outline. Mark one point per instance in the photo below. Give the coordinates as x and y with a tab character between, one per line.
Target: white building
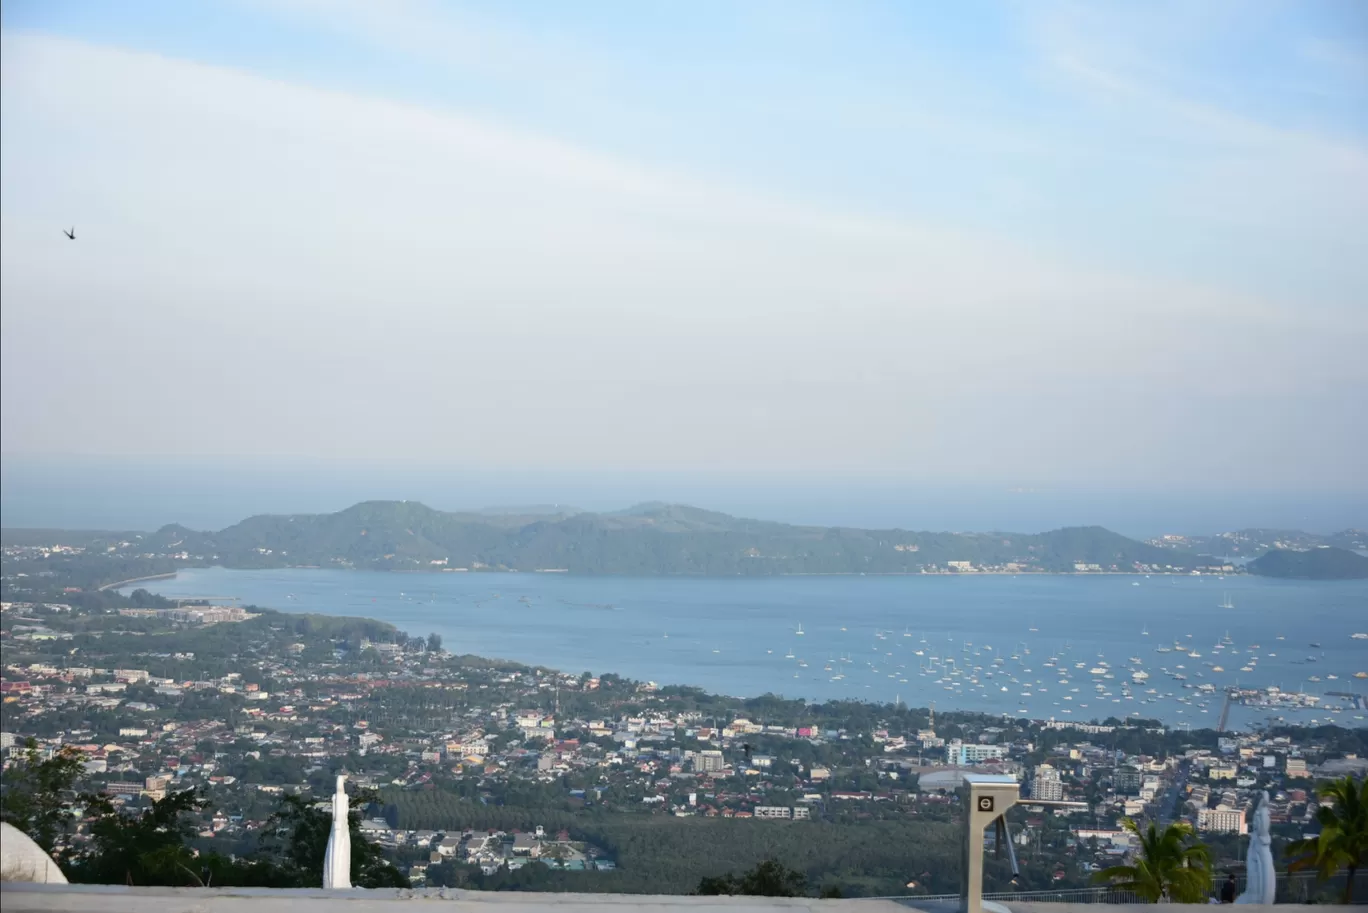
1047	785
962	753
1221	820
773	811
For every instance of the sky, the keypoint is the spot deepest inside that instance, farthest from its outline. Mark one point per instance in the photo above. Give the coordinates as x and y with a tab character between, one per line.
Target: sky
1036	243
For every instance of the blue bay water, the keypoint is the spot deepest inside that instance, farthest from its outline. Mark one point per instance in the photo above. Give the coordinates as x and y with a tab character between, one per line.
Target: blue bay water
735	635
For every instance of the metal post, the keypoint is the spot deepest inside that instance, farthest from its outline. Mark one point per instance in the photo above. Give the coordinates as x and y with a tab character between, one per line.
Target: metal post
988	797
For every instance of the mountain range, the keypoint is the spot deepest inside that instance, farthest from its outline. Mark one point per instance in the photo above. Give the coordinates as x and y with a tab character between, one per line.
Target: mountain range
654	538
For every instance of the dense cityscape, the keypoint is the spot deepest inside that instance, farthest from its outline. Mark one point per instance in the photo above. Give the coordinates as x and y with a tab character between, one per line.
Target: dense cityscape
482	773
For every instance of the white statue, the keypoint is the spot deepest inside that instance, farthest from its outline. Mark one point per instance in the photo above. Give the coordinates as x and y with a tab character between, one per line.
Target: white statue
1261	880
337	862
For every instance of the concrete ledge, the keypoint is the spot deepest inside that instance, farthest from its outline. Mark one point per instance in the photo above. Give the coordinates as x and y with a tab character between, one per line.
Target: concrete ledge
1164	907
36	898
18	897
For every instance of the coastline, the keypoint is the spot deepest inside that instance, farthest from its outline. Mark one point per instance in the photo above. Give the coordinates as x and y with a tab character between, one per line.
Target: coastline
489	636
132	580
676	575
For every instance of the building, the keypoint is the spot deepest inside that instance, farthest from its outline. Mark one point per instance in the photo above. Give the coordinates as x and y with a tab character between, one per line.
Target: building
773	811
1047	785
963	753
708	760
1221	820
1126	781
1296	767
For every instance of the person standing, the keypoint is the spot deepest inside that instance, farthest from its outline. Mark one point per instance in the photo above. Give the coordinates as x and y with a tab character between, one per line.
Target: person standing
1228	889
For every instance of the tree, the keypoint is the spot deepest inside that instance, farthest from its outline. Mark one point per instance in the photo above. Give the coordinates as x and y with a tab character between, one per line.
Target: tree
149	849
434	642
770	878
37	794
298	835
1171	865
1343	838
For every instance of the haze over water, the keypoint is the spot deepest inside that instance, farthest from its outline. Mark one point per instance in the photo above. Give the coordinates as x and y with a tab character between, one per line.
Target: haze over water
889	638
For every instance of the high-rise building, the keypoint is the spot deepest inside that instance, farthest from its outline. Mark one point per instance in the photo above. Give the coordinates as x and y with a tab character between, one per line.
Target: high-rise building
707	761
1221	820
1047	786
1126	780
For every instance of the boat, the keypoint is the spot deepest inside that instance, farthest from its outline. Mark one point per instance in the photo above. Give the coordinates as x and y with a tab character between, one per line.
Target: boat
1361	675
1359	636
1144	631
1226	603
799	632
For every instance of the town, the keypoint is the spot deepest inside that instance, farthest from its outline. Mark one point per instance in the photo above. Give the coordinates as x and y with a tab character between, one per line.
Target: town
478	768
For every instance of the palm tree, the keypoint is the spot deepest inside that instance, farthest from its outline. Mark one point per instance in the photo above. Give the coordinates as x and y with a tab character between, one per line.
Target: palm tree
1343	838
1170	865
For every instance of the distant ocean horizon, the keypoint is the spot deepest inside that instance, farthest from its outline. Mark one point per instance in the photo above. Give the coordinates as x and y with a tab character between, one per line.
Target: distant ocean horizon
146	494
1038	646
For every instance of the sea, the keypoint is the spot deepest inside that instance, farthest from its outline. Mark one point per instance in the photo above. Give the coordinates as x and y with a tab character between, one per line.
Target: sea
1066	647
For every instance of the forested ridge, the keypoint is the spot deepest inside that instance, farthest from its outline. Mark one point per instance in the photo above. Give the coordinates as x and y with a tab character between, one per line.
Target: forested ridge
1325	563
647	539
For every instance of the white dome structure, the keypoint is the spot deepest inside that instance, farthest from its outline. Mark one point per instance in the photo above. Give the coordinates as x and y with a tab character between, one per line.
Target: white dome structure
23	860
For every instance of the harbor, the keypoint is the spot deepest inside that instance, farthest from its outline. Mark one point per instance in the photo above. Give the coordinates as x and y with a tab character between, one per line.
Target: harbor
1068	648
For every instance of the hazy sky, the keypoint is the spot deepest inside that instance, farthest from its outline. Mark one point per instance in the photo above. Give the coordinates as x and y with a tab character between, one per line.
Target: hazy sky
1110	242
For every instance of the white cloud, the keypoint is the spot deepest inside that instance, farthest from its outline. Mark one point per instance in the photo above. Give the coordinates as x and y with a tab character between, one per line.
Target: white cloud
268	268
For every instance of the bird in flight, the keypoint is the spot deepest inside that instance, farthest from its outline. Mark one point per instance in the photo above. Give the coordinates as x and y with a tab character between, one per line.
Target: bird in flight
70	234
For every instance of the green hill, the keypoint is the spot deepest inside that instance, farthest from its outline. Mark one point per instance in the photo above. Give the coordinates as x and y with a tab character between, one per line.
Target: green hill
646	539
1324	563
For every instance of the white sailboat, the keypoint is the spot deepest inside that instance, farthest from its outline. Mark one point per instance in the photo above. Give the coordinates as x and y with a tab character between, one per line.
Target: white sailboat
799	632
1226	603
